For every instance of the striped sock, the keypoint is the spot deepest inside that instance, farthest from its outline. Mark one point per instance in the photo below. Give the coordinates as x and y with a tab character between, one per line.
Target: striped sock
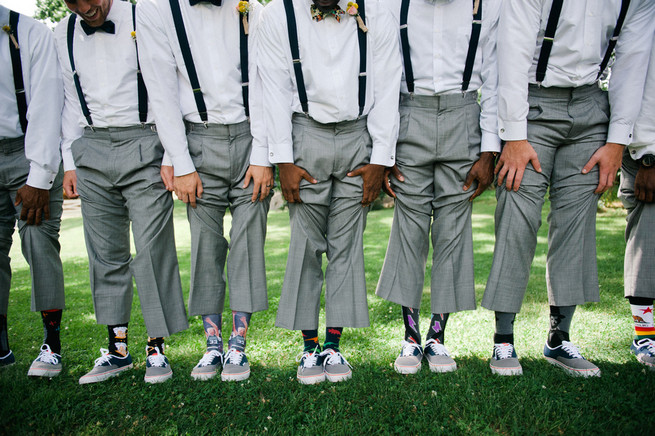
642	314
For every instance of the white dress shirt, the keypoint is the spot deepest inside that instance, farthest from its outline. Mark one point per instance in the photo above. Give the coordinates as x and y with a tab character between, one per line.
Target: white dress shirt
44	94
438	62
329	51
644	136
213	34
107	67
581	39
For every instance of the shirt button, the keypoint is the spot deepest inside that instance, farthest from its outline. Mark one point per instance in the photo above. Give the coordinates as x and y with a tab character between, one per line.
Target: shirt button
271	153
633	151
502	130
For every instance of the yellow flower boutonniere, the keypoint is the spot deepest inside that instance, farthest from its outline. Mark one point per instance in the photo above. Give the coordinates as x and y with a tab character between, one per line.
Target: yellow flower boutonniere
351	9
133	35
8	31
244	9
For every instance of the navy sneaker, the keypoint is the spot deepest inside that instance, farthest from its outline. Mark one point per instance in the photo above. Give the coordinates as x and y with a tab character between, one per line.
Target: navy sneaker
336	366
438	357
504	360
409	360
310	369
568	357
7	360
157	367
644	349
47	363
236	366
208	366
106	366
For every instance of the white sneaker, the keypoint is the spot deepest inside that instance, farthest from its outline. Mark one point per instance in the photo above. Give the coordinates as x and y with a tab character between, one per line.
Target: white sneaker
409	360
438	358
47	363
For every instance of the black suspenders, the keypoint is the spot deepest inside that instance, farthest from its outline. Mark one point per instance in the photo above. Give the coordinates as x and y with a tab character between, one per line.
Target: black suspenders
185	48
297	66
470	56
142	92
549	36
17	69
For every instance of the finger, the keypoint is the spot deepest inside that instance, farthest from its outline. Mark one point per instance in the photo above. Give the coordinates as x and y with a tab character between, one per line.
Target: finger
469	179
498	166
246	182
590	164
18	200
355	173
46	212
387	187
649	196
501	175
638	195
296	196
199	190
518	177
30	216
305	175
509	180
255	191
397	174
535	163
37	216
479	190
192	200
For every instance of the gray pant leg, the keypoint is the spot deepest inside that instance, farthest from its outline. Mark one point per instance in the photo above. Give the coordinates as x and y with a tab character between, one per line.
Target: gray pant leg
7	224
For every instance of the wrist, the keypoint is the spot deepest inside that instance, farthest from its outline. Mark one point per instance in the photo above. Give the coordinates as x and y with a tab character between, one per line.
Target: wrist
647	161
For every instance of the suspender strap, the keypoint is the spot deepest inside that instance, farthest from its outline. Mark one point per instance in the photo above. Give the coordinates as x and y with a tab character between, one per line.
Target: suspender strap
295	54
404	42
243	53
361	37
143	92
188	60
549	35
615	37
17	69
473	46
76	77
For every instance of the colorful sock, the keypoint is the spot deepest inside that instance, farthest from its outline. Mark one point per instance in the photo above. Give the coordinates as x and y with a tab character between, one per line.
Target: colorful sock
332	338
504	328
155	342
51	324
310	338
410	317
240	322
4	339
560	324
642	314
118	339
212	325
437	327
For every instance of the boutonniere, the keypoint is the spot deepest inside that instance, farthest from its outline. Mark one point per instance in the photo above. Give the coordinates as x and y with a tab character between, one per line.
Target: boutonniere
476	6
7	29
133	35
351	9
244	9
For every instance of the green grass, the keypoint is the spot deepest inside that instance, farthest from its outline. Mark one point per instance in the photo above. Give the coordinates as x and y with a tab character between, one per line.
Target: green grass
376	400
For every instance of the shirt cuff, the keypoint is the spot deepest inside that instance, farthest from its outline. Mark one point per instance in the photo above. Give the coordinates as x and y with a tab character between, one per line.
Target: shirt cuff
383	155
183	165
513	130
620	133
490	142
40	178
639	152
280	153
259	155
166	160
69	163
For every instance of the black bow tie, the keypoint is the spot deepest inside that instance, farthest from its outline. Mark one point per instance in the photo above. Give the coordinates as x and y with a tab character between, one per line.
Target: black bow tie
214	2
107	26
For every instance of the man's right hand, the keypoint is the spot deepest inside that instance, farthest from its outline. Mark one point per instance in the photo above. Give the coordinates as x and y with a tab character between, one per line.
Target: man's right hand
290	177
167	176
188	187
512	163
70	184
645	184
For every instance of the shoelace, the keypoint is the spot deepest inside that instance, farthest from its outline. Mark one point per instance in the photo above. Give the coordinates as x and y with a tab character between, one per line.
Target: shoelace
334	358
105	357
408	348
157	360
649	344
47	356
308	359
504	350
572	350
233	357
208	358
437	348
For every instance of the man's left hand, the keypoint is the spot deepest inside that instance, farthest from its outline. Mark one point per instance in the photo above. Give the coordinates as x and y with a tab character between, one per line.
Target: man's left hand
608	158
482	171
36	204
645	184
373	177
262	178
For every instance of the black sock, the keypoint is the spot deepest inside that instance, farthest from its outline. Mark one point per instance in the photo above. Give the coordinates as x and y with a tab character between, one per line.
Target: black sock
410	317
4	340
310	338
155	342
437	327
560	323
641	301
117	339
504	328
332	338
51	325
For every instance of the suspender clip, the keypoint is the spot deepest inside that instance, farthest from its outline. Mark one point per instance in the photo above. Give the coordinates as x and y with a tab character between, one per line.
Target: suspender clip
411	96
92	128
403	26
546	38
245	84
539	84
143	126
20	91
204	123
296	61
477	21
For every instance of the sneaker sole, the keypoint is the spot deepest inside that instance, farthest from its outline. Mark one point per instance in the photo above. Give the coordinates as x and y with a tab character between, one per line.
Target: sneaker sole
235	377
158	378
650	365
95	378
517	370
575	372
40	372
400	369
311	380
447	367
336	378
203	376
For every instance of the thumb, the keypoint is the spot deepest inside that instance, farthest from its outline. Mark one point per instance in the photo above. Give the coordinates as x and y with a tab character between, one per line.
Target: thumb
19	199
469	179
310	179
355	173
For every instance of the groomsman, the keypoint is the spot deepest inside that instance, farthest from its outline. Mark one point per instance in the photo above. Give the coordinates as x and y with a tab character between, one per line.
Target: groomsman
112	157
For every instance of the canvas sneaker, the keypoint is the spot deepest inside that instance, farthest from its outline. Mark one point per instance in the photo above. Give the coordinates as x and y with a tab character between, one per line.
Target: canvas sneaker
644	349
504	360
46	364
106	366
157	367
568	357
310	369
336	366
208	366
7	360
438	358
409	360
236	366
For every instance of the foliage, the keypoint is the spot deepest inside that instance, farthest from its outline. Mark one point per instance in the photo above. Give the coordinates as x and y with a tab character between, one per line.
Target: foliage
53	10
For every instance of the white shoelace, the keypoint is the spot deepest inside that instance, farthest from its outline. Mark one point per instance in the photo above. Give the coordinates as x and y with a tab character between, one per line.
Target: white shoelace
233	357
334	358
104	357
437	348
209	357
157	360
649	344
47	356
308	359
504	350
408	348
572	350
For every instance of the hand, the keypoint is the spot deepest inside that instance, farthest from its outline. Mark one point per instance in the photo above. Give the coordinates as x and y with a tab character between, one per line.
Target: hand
167	176
645	184
70	184
393	171
263	180
608	158
36	204
482	171
512	163
188	187
373	177
290	177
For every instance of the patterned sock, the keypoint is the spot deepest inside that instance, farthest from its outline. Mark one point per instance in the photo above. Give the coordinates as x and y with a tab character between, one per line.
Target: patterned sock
212	325
4	340
642	314
437	327
332	338
51	325
504	328
560	324
240	322
410	317
155	342
310	338
118	339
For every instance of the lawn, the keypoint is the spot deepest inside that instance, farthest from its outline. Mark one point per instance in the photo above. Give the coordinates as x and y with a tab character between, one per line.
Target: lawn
377	400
